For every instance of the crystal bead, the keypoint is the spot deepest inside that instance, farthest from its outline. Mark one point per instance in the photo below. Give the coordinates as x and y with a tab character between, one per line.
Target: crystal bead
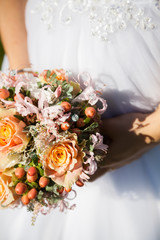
75	117
157	4
105	16
13	73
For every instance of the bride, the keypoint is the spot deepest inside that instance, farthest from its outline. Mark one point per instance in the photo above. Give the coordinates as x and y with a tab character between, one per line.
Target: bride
118	43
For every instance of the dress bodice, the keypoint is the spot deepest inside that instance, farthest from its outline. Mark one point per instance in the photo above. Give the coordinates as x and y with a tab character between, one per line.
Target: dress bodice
116	41
105	16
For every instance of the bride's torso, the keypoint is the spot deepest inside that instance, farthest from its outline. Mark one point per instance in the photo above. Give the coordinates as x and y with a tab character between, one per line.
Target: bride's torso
117	42
122	204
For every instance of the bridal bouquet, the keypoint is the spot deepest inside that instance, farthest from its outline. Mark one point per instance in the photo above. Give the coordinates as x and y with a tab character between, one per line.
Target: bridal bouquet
49	138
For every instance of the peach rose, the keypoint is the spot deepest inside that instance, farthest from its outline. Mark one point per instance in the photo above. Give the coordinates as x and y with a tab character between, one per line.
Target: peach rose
61	75
63	161
12	137
6	194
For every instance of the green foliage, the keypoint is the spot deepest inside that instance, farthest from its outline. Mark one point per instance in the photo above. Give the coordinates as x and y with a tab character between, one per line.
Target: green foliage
39	84
91	128
32	184
40	169
34	158
40	195
67	90
48	73
53	188
35	163
19	117
87	120
53	78
76	88
12	93
30	207
28	93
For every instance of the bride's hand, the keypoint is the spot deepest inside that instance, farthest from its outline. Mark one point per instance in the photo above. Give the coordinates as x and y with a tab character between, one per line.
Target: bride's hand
130	136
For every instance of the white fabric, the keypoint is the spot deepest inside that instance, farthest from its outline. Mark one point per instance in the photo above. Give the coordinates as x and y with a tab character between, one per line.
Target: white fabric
123	204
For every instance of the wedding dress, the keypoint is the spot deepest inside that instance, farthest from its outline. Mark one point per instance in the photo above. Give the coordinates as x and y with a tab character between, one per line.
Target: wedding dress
118	43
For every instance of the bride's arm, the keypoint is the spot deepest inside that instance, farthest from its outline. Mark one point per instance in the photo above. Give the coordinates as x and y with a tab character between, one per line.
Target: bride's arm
131	136
13	32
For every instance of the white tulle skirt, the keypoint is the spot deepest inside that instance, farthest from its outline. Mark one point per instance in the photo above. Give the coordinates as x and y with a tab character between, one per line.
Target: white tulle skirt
123	204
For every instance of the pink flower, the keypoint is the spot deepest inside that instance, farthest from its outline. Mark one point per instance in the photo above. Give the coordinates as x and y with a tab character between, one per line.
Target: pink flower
58	92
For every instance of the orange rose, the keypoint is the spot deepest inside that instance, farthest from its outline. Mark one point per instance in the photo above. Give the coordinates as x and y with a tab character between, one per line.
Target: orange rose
63	162
6	195
12	137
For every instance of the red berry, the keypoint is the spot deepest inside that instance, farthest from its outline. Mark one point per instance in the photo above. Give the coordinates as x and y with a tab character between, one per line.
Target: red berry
16	98
80	122
25	200
65	126
4	93
32	193
20	188
19	172
90	112
67	106
32	171
68	189
32	178
35	74
60	190
79	183
43	182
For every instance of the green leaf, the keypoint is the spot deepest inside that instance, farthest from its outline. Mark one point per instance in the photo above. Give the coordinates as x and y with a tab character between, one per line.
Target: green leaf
26	167
87	120
76	88
34	157
20	165
39	84
32	184
50	188
91	148
53	77
19	117
91	128
41	171
54	199
48	73
10	99
12	92
28	93
40	195
30	207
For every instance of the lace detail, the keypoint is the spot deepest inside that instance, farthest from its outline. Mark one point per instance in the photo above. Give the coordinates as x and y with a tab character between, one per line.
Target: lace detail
105	16
157	4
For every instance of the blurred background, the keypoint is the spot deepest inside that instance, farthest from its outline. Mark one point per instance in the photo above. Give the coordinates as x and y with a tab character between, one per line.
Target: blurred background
1	54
